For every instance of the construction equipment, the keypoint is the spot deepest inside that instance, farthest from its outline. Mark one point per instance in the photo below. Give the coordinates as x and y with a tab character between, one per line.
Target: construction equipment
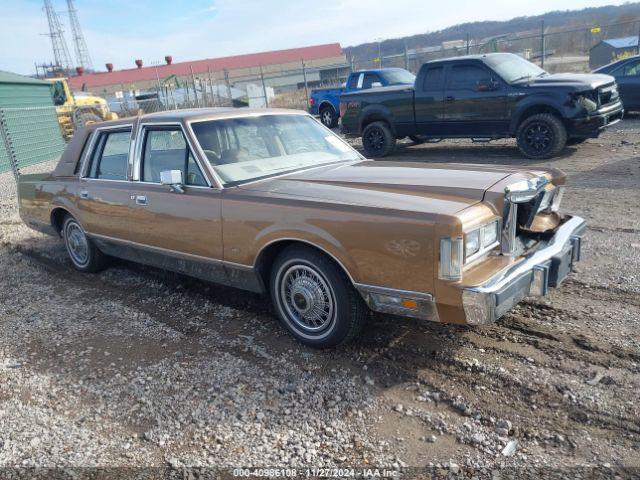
76	111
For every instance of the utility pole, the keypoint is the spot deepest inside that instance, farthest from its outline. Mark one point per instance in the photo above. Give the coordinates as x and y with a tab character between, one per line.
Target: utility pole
264	88
58	43
379	53
82	52
306	86
195	94
406	55
543	53
468	50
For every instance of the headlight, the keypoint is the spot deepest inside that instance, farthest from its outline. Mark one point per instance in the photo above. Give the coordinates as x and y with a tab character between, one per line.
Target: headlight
588	104
450	267
481	239
555	205
489	234
472	243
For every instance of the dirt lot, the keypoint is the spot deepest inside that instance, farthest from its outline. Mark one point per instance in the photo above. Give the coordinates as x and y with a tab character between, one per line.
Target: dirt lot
137	367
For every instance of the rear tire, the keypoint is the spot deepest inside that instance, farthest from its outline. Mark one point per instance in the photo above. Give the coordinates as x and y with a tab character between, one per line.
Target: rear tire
329	117
378	140
541	136
314	299
83	253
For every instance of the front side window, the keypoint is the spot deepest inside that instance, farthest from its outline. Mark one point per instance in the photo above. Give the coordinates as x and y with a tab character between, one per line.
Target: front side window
59	96
630	69
369	80
466	77
247	148
166	149
110	157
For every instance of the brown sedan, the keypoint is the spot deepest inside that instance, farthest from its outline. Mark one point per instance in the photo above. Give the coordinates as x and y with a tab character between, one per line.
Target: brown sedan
273	202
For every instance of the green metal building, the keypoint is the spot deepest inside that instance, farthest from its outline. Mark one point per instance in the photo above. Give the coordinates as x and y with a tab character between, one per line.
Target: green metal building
29	119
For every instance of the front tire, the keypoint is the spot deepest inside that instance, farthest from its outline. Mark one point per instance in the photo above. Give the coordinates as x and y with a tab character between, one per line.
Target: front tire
329	117
541	136
314	299
378	140
84	255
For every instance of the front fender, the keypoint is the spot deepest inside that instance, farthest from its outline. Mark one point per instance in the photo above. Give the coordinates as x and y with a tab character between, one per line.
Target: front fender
310	235
534	103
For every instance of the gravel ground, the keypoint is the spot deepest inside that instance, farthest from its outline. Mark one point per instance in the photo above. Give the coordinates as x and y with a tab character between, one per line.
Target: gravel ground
135	367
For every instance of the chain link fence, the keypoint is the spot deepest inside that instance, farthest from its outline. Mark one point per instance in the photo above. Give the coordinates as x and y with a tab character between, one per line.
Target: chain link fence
566	50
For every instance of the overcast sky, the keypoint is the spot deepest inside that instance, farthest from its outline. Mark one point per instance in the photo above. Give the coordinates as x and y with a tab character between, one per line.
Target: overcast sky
120	31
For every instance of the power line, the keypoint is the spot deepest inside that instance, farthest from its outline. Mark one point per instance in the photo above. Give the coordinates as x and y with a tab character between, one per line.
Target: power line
58	43
82	52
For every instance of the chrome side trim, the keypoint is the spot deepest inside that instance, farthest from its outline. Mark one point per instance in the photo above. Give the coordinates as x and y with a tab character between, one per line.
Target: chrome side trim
173	253
393	292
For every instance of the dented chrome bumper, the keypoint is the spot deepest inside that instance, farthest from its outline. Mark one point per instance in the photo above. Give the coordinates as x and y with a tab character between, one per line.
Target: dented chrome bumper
532	276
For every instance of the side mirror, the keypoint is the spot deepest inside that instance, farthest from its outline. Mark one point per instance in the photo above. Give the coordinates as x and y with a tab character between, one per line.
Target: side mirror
173	178
487	85
376	84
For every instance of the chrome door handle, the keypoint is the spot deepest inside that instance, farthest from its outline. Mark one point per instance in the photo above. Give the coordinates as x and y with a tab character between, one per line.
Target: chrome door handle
84	194
141	200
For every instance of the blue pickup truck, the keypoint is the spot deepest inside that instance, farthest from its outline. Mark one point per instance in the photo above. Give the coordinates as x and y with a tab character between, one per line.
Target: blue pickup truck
325	102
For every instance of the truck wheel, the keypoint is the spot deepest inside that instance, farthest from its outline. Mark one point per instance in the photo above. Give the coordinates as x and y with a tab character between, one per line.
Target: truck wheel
541	136
84	255
328	117
378	140
314	299
86	118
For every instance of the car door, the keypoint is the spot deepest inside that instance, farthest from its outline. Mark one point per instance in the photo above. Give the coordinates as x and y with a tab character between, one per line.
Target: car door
182	224
628	79
103	197
475	101
429	101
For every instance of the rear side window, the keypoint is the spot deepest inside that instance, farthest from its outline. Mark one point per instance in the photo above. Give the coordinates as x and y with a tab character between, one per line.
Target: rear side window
433	79
166	149
110	158
463	77
369	80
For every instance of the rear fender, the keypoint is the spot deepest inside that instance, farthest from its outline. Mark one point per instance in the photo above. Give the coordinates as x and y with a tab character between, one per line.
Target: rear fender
376	113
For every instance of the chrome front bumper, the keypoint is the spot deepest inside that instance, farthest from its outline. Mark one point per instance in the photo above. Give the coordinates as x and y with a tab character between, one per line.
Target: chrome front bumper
532	276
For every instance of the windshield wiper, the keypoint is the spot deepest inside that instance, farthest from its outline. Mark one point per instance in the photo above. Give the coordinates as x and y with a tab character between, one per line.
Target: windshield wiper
521	78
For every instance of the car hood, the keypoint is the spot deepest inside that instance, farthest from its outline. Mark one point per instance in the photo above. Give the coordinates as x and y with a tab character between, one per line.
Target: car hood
574	81
406	186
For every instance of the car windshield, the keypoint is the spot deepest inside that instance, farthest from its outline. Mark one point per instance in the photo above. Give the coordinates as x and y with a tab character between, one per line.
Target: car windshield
513	68
398	77
248	148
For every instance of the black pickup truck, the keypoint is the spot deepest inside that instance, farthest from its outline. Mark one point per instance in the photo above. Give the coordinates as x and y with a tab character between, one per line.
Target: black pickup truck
484	97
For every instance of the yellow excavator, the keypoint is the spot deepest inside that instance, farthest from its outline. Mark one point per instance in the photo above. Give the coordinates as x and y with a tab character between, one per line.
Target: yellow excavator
75	111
